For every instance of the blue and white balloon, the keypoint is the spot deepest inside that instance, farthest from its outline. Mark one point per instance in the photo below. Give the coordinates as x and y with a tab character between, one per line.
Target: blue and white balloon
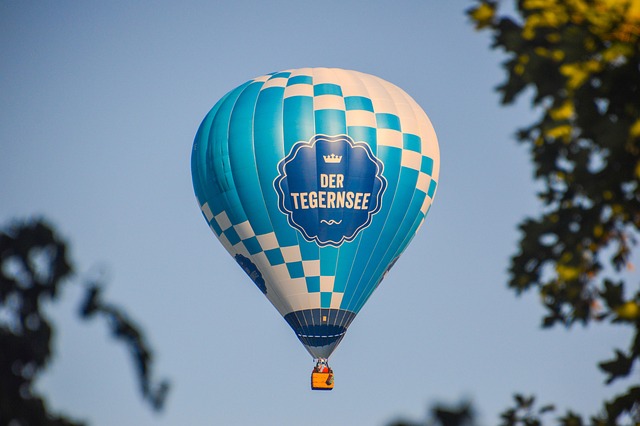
315	180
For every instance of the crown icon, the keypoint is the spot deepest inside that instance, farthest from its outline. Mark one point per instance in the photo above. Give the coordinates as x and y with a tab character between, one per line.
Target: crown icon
332	158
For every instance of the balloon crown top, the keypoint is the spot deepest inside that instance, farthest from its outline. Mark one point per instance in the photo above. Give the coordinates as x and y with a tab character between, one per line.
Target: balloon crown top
332	158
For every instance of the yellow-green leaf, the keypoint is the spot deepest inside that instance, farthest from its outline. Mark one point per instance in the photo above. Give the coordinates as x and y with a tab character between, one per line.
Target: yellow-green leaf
563	131
483	15
563	112
634	130
567	273
628	310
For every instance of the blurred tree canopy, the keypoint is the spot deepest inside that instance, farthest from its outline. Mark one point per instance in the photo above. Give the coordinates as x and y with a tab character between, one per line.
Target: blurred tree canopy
34	266
461	414
580	61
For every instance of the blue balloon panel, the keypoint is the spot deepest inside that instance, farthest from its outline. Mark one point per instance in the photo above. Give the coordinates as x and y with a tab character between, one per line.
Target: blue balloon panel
315	180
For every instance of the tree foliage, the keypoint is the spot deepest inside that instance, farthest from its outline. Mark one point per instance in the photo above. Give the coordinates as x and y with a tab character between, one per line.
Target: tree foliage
461	414
34	266
580	60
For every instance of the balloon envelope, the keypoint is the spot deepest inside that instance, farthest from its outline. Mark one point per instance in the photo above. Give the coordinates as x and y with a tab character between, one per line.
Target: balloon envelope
315	180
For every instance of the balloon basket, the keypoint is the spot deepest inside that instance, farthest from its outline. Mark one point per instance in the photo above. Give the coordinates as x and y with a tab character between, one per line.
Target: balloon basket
321	381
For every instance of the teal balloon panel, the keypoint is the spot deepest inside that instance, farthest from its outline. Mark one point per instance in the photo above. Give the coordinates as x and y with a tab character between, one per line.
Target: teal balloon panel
315	180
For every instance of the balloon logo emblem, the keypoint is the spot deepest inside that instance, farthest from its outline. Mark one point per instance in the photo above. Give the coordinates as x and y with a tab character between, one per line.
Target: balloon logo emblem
318	200
315	180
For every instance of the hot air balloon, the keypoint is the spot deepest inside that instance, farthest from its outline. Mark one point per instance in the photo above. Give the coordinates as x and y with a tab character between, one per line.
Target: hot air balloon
315	180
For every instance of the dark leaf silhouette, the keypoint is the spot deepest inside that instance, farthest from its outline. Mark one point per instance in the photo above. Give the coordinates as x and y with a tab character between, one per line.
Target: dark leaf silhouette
580	61
34	265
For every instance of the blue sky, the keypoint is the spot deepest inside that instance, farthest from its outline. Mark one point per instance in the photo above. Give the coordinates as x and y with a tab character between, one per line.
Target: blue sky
100	104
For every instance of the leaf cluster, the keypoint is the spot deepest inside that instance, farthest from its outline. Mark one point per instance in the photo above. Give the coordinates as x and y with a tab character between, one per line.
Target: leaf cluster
526	413
580	59
34	267
460	414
